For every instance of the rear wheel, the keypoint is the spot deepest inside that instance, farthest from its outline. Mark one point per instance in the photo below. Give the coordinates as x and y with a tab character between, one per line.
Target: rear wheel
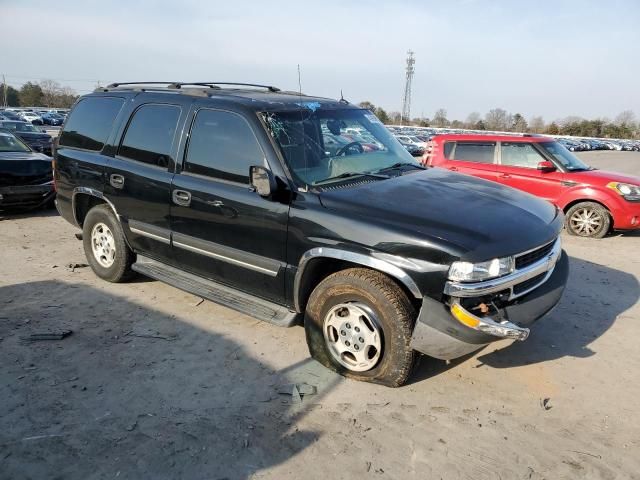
588	219
358	322
104	245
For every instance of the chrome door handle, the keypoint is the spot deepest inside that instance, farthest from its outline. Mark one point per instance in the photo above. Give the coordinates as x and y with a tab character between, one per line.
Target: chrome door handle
181	197
116	181
505	175
216	203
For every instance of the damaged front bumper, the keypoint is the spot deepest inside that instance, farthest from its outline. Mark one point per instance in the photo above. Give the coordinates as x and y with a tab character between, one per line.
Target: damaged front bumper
451	330
26	196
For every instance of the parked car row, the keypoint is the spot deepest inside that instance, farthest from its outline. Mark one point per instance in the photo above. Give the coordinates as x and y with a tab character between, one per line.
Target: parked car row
573	144
35	117
582	144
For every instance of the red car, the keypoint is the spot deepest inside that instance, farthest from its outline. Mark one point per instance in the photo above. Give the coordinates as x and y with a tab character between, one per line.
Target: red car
594	201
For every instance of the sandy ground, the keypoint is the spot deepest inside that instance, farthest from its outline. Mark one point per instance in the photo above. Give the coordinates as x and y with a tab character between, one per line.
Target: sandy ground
154	384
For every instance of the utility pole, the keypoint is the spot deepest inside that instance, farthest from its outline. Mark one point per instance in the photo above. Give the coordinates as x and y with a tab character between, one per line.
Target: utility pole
4	92
406	101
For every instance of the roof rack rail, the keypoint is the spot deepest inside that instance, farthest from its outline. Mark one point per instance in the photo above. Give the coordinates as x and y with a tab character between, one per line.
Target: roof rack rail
118	84
271	88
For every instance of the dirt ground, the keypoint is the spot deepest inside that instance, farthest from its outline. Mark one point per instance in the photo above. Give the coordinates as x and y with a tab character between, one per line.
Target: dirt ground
153	383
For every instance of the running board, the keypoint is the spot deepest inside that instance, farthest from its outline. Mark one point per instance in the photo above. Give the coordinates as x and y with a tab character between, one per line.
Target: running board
216	292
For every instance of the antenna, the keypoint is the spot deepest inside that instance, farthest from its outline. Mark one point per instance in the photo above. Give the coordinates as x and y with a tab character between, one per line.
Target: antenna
299	82
406	101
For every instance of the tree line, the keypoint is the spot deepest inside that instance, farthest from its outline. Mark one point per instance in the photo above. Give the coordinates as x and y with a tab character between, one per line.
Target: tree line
46	93
623	125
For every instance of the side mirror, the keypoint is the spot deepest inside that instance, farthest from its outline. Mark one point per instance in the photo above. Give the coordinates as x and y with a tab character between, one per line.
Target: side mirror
546	167
262	181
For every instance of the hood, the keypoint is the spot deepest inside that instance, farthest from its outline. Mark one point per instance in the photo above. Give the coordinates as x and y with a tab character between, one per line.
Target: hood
24	168
475	218
602	177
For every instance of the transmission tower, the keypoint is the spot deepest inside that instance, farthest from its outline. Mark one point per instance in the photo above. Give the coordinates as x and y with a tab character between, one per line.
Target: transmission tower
406	102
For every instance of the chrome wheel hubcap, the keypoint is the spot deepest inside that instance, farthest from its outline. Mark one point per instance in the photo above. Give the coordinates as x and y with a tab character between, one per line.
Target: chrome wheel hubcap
353	337
103	245
586	222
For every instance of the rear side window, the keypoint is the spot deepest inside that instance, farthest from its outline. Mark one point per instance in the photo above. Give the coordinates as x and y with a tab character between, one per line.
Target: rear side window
90	123
222	145
479	152
520	155
150	133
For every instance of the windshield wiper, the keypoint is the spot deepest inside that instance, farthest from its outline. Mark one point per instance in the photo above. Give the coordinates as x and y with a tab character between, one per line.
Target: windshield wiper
349	175
401	164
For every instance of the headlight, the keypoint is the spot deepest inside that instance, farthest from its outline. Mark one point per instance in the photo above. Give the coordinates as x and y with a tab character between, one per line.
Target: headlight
627	190
475	272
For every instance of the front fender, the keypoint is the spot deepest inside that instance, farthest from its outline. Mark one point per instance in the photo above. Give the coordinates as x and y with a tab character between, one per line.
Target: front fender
389	264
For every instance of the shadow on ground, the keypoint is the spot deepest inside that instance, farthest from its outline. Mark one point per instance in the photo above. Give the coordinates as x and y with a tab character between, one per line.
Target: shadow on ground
136	393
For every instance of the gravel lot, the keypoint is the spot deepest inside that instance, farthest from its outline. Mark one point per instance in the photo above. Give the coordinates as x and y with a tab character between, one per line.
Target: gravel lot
155	384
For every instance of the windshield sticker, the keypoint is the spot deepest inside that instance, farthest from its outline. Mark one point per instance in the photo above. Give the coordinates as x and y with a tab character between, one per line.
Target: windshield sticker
313	106
372	118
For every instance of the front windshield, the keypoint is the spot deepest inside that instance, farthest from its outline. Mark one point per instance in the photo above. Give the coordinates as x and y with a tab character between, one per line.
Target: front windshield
564	156
9	143
321	144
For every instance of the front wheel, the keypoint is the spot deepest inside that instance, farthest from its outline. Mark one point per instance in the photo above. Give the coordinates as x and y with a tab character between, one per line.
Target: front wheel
588	219
358	322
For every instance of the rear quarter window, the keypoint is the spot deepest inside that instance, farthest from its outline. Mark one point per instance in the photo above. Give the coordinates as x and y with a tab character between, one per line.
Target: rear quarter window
90	123
479	152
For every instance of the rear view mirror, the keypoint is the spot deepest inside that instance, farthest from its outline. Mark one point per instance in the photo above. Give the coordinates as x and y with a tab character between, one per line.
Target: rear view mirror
262	181
546	167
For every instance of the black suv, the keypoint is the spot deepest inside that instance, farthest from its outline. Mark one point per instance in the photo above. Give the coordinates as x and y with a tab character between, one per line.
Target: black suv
259	200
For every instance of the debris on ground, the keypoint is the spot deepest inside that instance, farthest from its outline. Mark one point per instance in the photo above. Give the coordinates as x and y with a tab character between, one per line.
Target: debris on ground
150	335
199	302
54	335
546	404
297	390
72	266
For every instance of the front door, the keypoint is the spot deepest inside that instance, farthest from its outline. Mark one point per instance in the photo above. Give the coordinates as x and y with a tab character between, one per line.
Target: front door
519	169
222	230
139	177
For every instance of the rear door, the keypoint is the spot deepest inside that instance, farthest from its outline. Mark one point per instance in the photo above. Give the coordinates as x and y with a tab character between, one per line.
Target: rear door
475	158
222	229
139	175
518	168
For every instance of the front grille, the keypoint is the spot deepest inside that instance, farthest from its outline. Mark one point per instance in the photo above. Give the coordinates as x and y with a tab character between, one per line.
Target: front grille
532	257
527	284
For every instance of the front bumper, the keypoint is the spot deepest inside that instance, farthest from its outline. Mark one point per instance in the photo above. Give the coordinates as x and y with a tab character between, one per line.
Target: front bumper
627	217
26	196
439	334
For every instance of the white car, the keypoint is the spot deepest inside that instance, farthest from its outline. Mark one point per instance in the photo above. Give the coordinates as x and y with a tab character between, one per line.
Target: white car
31	117
411	139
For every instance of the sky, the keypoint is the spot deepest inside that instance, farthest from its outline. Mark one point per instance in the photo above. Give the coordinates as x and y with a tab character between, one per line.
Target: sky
549	58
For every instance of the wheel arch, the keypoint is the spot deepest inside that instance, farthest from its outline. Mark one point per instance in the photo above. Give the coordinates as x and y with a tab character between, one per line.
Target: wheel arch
84	199
318	263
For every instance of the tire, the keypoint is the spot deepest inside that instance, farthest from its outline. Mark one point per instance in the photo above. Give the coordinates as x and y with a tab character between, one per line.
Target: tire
371	299
597	214
112	258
